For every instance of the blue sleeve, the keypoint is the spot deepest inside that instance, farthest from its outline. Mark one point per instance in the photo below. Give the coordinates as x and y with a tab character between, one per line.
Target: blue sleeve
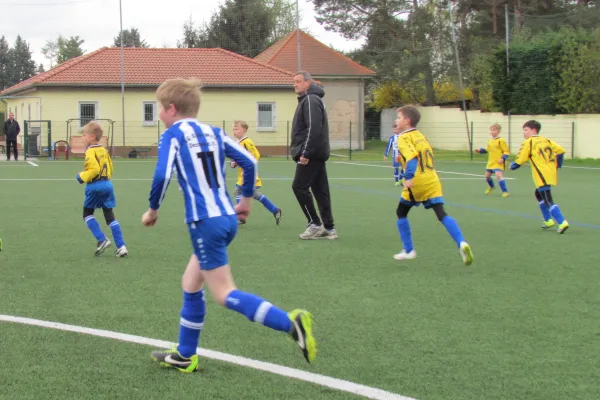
482	151
514	166
244	160
504	156
79	179
559	160
389	146
167	152
411	168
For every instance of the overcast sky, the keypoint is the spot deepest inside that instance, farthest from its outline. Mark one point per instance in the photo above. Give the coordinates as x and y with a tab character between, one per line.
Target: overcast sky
97	21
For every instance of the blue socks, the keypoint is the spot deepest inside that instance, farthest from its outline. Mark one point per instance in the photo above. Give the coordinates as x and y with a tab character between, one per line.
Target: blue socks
191	322
117	234
267	203
405	234
258	310
545	211
453	229
502	184
490	182
397	174
556	214
93	226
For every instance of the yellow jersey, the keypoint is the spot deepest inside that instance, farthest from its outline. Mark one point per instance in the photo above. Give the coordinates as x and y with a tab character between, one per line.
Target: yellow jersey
496	148
247	144
97	165
541	152
426	182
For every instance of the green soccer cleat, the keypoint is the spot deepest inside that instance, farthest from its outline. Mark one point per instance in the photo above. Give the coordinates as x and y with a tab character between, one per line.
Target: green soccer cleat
548	224
172	359
302	333
563	227
466	253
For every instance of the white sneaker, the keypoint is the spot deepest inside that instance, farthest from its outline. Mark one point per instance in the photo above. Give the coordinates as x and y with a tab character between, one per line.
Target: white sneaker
121	252
313	232
466	253
403	255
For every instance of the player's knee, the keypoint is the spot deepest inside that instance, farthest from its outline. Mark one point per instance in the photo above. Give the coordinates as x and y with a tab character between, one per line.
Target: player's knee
109	215
87	212
402	211
439	211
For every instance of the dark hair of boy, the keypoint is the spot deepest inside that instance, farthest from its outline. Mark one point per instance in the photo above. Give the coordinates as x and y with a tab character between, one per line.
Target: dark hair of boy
533	124
411	112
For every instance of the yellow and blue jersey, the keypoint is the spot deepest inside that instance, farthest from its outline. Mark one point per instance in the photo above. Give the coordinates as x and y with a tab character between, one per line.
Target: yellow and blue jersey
545	157
496	149
97	165
248	144
416	156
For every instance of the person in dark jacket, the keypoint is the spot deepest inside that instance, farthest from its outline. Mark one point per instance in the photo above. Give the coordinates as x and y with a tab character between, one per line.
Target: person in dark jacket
310	150
11	130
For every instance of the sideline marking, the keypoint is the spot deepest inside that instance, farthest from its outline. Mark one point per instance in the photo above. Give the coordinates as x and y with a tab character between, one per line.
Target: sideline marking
32	163
266	178
322	380
389	166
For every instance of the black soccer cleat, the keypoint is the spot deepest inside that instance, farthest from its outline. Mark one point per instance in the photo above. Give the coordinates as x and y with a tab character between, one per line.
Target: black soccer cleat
277	215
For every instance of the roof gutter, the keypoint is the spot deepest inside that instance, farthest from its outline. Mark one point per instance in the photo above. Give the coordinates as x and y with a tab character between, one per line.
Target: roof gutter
149	85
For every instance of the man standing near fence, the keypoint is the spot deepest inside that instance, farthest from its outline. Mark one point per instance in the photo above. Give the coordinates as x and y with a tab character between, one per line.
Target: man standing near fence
310	150
11	130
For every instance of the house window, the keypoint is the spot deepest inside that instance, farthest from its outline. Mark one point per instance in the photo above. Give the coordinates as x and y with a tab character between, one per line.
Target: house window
149	112
266	116
88	111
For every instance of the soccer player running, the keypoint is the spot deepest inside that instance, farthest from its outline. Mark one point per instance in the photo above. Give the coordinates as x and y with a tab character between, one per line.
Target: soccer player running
99	191
197	151
393	147
239	131
546	157
498	152
421	185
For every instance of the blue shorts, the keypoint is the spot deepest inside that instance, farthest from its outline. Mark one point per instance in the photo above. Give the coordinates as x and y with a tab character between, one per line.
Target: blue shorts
210	238
99	194
427	204
492	171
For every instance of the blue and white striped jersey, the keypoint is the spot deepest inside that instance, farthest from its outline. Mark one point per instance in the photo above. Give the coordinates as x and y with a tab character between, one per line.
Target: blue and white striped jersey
197	151
392	146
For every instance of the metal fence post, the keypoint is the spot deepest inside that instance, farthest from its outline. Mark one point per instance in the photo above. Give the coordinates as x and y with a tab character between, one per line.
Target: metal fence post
471	141
573	139
49	140
25	141
350	150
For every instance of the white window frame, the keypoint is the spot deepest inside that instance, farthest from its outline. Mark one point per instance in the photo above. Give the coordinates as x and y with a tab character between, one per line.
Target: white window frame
154	114
96	111
273	126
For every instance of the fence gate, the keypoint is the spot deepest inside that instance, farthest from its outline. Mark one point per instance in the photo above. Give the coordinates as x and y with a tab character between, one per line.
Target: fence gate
74	126
37	138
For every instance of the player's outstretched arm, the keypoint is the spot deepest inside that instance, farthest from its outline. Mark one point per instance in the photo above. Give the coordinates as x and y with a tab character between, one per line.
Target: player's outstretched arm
245	161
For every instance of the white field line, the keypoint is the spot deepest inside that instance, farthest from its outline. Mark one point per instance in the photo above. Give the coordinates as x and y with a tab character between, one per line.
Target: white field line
437	170
322	380
264	179
32	164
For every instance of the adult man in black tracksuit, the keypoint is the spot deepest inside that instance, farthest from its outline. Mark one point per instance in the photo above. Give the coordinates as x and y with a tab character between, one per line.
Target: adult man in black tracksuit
11	130
310	150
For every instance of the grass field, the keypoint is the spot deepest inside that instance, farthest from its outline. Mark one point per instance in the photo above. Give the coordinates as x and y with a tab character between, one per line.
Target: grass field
521	323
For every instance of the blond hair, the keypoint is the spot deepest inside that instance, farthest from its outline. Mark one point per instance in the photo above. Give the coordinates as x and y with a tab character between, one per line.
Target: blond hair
241	123
184	94
497	127
94	128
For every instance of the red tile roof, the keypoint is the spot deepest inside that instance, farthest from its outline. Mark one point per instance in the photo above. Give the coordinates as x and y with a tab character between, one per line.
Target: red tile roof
214	67
315	57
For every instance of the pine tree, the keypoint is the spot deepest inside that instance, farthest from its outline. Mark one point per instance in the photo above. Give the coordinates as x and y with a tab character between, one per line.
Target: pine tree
4	63
21	66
